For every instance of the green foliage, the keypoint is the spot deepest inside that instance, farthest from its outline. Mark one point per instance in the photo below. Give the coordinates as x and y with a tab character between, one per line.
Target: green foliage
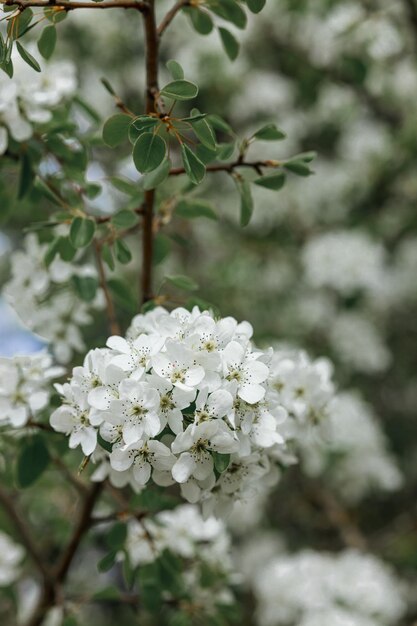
27	57
32	461
115	130
148	152
180	90
230	43
47	41
125	219
182	282
191	208
273	181
82	232
194	168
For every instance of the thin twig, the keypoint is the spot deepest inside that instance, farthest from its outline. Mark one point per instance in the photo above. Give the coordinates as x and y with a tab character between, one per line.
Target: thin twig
171	14
67	5
111	313
230	167
10	506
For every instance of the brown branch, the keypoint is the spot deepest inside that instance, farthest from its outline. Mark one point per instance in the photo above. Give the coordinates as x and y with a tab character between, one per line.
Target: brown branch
10	506
67	5
51	591
111	313
151	47
230	167
171	14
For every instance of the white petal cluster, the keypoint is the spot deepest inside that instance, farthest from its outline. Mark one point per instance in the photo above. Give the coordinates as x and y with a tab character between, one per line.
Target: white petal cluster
11	555
199	542
42	297
353	456
184	532
188	399
345	261
312	588
25	386
29	97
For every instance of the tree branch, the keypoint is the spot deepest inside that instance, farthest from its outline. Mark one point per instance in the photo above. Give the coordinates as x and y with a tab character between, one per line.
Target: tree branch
9	505
230	167
67	5
151	47
171	14
51	590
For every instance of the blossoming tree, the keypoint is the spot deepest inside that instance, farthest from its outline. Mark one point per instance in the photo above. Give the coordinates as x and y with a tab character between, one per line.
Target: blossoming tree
150	417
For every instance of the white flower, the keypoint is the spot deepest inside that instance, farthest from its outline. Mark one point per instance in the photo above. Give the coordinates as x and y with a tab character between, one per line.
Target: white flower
142	457
177	366
11	555
245	371
72	418
24	386
135	412
194	446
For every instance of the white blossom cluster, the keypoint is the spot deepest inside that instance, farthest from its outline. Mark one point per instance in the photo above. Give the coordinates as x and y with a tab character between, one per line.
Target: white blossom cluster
11	555
353	455
25	387
29	97
344	260
40	295
198	542
188	399
316	589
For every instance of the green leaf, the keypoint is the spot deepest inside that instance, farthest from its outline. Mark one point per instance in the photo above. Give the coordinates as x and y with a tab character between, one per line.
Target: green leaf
191	208
117	536
107	593
51	252
298	167
27	57
27	176
32	461
275	181
221	461
246	201
115	129
269	132
229	10
140	125
220	124
125	219
66	250
230	43
180	90
107	562
225	150
148	152
175	70
123	295
16	28
255	5
194	168
107	256
41	186
82	232
121	249
201	21
47	41
182	282
203	130
125	186
86	287
161	249
158	176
